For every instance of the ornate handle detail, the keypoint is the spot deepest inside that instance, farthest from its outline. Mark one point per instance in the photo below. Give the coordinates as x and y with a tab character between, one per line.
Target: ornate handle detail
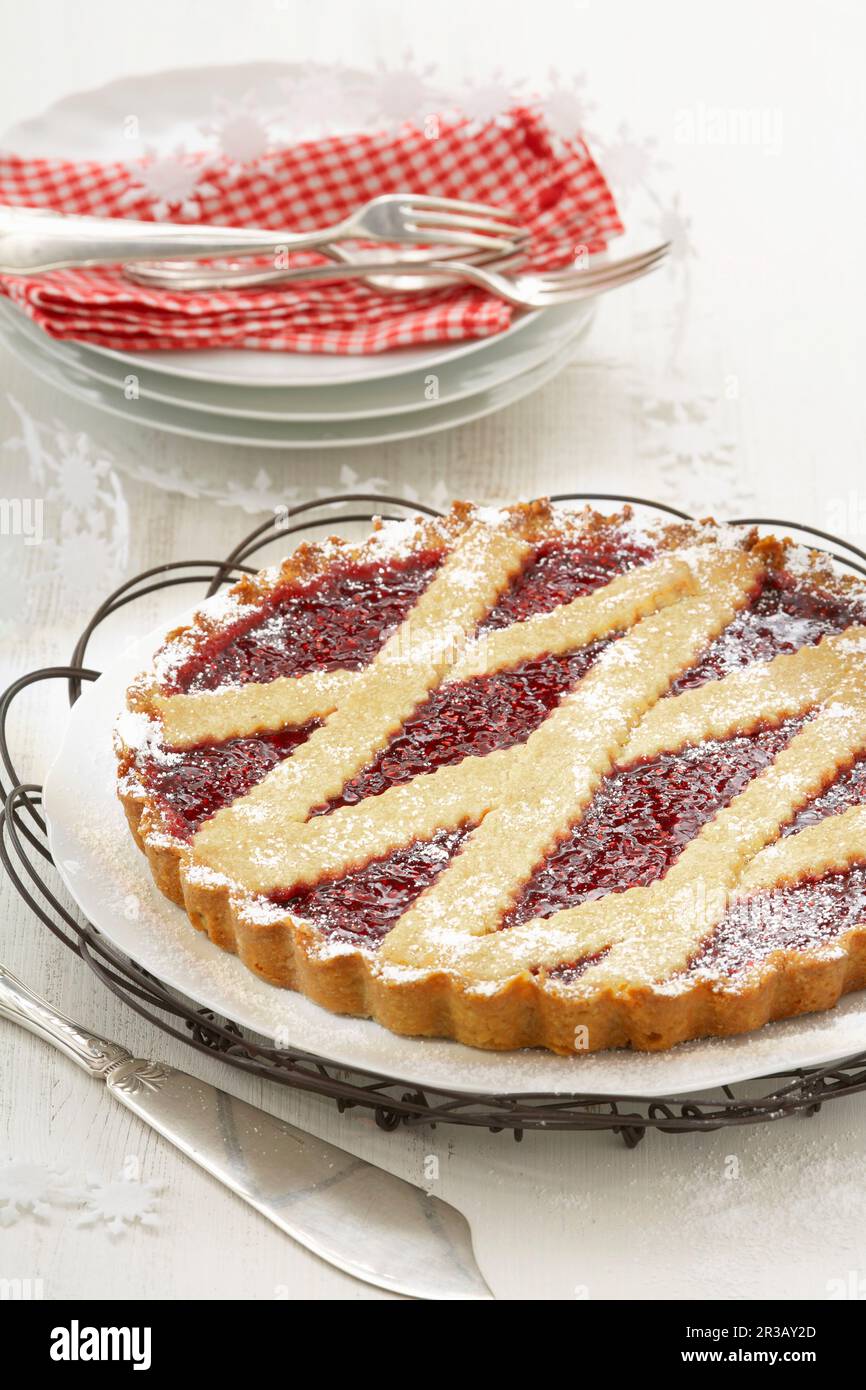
95	1055
138	1075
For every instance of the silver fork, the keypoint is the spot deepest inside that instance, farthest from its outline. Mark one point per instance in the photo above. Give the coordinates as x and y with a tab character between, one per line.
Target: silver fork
33	240
526	291
183	275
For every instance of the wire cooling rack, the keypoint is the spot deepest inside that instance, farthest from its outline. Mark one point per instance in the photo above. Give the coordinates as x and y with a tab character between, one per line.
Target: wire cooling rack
26	858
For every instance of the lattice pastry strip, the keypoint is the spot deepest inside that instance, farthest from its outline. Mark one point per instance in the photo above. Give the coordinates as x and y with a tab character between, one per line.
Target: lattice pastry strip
774	690
212	716
830	846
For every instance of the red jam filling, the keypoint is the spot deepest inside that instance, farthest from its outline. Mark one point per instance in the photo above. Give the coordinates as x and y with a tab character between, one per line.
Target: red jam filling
783	617
558	572
569	971
469	718
192	784
362	906
642	817
338	621
798	918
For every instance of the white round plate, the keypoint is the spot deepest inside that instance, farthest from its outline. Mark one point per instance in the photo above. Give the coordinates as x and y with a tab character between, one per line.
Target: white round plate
247	367
455	380
276	434
171	108
110	881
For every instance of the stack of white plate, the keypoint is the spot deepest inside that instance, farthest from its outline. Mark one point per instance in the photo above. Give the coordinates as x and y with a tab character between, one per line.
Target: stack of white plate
301	401
271	399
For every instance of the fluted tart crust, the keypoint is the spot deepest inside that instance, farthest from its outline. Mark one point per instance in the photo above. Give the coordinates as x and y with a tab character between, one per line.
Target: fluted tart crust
521	777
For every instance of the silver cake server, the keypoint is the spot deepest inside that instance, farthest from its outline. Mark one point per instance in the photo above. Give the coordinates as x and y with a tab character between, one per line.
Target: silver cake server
351	1213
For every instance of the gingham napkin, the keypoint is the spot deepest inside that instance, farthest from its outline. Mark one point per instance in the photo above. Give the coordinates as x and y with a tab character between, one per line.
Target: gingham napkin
553	185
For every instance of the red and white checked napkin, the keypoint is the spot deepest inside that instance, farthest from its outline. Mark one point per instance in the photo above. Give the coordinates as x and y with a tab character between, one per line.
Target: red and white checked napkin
553	185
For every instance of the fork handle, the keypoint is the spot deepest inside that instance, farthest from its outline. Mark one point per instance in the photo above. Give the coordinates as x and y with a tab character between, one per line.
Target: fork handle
174	277
95	1055
33	240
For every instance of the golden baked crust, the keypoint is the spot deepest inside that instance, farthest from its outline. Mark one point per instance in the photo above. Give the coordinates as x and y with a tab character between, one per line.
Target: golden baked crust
446	968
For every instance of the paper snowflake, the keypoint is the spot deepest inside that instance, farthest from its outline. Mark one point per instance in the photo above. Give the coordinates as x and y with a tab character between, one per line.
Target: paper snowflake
674	226
259	495
487	102
353	482
119	1203
82	491
242	136
32	1189
565	105
628	162
689	438
404	93
321	102
172	183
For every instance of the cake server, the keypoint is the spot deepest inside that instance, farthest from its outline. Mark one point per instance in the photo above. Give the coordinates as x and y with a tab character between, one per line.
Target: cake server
351	1213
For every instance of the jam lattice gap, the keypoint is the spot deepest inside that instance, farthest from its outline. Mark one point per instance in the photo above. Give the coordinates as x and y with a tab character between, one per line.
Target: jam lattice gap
471	719
337	621
192	784
799	917
362	906
784	616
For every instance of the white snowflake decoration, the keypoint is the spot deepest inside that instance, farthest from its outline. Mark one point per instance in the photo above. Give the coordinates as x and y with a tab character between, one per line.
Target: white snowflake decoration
320	102
81	487
487	101
674	226
689	429
119	1203
353	482
628	162
688	438
173	183
242	136
440	495
404	93
261	495
565	106
32	1189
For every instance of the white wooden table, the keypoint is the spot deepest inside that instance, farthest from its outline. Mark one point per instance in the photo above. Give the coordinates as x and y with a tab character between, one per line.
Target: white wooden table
734	387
